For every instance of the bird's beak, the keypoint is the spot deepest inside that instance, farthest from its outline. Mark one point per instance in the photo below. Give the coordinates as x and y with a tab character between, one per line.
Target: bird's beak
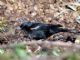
18	28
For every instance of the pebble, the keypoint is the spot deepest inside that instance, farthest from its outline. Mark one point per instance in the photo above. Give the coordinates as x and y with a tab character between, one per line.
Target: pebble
33	14
78	19
77	41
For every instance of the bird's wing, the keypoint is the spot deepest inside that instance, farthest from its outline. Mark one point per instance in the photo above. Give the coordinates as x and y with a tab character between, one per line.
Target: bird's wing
37	34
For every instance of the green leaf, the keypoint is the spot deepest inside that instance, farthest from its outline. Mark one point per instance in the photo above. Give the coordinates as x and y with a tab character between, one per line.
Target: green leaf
21	52
1	51
56	51
72	57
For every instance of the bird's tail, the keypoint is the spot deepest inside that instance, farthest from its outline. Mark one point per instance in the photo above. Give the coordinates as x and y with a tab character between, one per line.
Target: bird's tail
64	30
70	31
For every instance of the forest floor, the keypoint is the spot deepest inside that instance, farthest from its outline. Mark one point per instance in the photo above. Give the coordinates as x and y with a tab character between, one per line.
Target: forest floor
14	12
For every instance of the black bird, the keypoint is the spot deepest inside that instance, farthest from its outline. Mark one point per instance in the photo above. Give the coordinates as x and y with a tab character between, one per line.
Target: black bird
41	31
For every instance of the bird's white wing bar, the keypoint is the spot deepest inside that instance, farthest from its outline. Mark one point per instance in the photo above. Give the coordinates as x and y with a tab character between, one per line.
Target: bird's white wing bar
35	27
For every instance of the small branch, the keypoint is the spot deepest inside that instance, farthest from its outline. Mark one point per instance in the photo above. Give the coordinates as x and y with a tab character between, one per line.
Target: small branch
43	43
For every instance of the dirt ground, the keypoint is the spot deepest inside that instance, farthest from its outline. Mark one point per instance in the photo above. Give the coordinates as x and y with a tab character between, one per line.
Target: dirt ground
14	12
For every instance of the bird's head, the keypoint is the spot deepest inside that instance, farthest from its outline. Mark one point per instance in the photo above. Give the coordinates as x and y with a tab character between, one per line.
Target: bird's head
26	25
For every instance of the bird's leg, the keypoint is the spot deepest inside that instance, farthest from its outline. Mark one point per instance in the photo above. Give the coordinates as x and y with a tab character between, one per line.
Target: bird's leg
29	37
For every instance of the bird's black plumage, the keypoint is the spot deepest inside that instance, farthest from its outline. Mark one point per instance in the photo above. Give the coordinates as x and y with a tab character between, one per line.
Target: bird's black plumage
41	31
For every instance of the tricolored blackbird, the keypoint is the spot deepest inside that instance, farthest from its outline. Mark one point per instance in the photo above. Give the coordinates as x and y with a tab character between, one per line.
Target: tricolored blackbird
40	30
